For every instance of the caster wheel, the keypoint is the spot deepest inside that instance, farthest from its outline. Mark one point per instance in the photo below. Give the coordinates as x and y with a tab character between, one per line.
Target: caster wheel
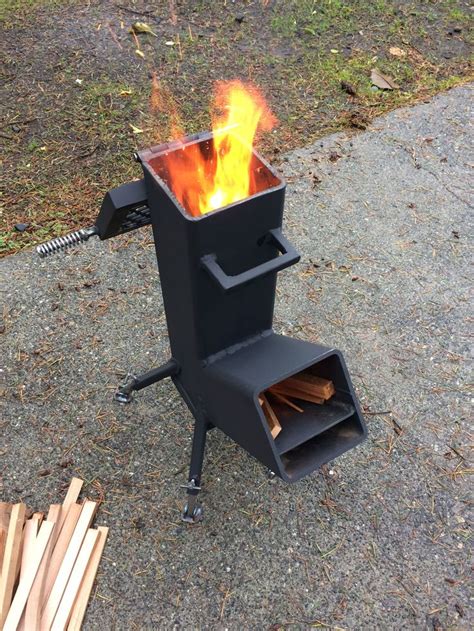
122	397
192	517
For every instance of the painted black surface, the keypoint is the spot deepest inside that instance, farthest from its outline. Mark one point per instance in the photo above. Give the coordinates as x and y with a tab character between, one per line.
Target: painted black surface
218	279
314	420
124	208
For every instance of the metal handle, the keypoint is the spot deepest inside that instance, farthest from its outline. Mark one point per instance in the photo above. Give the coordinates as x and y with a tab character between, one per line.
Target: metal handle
288	257
67	241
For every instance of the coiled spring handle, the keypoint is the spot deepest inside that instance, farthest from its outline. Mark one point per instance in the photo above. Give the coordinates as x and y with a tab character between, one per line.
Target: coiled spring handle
67	241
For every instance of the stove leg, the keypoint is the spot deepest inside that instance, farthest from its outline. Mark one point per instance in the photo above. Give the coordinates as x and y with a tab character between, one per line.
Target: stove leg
193	511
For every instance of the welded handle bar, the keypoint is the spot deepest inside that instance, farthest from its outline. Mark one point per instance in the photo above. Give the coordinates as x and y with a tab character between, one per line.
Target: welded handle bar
289	256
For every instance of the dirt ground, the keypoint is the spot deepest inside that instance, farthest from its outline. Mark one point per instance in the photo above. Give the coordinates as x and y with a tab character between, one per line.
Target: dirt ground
75	97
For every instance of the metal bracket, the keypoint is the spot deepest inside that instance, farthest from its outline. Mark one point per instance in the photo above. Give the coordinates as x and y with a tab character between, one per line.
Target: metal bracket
191	486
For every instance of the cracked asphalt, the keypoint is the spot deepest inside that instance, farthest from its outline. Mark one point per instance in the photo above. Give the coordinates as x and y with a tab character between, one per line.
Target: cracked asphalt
379	538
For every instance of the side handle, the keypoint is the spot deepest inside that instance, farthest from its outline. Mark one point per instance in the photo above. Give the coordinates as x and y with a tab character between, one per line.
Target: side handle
288	256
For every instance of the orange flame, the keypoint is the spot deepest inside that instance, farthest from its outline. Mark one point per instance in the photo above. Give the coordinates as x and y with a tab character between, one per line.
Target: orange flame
204	181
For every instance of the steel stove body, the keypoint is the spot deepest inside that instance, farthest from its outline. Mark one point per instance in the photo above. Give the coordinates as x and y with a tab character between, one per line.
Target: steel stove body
218	277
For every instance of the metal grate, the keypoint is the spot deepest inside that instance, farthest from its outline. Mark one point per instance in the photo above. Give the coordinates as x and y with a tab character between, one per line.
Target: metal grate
136	218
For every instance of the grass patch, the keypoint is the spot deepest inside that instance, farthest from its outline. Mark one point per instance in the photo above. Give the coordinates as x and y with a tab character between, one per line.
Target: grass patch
13	10
77	101
317	17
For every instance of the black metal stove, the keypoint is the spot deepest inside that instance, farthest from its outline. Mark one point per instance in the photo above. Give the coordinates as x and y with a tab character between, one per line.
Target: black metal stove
218	277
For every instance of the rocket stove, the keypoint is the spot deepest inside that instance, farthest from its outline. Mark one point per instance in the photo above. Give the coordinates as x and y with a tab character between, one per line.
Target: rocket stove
218	276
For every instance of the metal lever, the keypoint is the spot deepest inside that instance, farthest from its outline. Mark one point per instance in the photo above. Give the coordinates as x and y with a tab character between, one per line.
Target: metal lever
67	241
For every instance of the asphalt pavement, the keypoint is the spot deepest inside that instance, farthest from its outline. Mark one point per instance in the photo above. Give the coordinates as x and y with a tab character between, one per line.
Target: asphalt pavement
379	538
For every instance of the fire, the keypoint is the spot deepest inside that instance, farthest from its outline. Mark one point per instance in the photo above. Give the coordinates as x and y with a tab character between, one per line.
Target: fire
202	180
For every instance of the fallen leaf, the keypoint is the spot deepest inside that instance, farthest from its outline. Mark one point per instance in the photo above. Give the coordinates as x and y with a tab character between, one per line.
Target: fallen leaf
140	53
334	51
397	52
125	93
382	81
136	130
142	27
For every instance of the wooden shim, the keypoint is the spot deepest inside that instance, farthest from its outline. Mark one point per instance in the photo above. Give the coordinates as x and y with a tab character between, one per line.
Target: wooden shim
322	388
24	587
54	514
39	517
326	386
72	588
3	539
59	515
287	402
280	388
303	386
72	494
32	615
80	605
59	550
29	537
30	532
5	511
57	591
11	559
272	419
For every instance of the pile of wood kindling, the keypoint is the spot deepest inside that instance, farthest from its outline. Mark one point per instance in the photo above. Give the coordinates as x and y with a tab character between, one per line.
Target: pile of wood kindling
48	566
303	386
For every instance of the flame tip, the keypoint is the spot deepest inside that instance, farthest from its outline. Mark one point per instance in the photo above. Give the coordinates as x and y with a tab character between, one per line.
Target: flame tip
205	181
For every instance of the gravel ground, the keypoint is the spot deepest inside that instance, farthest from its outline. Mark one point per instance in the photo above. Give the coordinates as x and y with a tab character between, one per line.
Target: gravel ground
378	539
